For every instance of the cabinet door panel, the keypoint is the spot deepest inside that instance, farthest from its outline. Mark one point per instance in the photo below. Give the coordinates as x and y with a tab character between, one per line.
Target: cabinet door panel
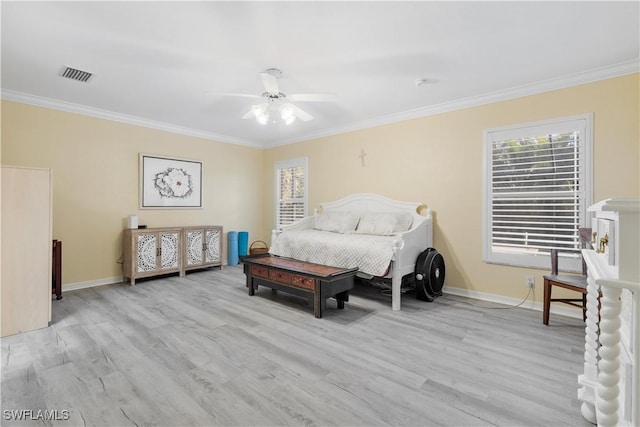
147	252
194	247
212	252
169	252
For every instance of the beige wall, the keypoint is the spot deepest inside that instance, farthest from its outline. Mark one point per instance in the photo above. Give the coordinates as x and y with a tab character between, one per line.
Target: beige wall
438	160
95	182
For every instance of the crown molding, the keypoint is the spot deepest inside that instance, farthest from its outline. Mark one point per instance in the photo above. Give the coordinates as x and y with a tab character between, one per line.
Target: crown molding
590	76
84	110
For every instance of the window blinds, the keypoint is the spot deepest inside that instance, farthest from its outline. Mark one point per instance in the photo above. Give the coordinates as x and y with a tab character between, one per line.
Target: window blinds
536	192
291	197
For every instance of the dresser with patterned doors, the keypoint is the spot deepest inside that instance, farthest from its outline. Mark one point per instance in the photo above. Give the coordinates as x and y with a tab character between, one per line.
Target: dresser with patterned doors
152	251
202	247
610	384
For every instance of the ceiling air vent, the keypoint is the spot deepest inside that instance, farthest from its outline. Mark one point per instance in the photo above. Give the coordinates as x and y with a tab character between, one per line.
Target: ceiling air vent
74	74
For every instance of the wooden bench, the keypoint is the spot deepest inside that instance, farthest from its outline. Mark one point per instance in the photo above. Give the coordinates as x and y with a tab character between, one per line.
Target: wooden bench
313	281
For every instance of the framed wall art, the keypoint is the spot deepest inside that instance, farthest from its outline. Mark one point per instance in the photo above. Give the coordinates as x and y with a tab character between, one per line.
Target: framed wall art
170	183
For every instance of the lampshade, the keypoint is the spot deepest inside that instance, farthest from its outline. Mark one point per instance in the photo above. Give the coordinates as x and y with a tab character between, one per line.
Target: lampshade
263	118
286	113
261	113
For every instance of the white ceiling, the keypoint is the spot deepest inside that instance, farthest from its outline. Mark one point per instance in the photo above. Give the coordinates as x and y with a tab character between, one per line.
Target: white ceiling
167	64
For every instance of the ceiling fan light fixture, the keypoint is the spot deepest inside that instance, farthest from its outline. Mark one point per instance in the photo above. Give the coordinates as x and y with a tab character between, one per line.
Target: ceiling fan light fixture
275	102
286	113
261	113
263	118
289	120
258	109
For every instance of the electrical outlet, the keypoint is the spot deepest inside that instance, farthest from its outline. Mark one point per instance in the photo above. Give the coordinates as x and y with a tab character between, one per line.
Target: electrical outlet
530	282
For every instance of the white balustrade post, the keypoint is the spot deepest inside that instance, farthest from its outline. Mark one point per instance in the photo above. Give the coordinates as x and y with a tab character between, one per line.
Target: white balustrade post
589	379
608	390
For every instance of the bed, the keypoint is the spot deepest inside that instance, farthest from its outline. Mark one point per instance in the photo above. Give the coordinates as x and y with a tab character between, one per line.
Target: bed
380	236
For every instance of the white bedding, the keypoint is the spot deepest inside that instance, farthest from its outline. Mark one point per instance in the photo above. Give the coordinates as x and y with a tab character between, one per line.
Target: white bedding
370	253
396	234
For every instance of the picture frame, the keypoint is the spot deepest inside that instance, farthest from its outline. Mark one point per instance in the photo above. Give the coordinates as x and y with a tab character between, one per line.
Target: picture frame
169	182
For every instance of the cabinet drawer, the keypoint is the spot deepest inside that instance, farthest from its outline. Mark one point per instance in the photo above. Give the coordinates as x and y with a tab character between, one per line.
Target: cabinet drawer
280	276
303	282
260	271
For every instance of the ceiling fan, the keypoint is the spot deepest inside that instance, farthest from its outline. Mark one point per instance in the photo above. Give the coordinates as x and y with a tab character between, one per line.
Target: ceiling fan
277	102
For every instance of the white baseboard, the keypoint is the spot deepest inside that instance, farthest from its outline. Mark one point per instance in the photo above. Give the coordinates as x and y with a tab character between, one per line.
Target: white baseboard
500	299
91	283
98	282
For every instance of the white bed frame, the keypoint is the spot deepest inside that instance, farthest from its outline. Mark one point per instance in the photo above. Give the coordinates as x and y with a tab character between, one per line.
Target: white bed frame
408	245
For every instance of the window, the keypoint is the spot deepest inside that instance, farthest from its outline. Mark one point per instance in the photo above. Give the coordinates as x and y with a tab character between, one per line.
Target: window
538	187
291	191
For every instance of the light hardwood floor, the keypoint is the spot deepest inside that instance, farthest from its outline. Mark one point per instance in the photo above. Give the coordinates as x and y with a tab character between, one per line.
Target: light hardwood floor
199	351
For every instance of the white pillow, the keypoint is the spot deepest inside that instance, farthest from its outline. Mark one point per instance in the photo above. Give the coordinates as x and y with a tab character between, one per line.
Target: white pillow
405	221
337	222
384	223
381	224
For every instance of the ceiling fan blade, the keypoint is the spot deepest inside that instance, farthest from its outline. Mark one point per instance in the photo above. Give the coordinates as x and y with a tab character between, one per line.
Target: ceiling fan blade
314	97
300	113
270	83
242	95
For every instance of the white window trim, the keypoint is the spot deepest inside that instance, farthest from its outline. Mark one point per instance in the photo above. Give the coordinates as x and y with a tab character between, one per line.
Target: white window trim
540	261
282	164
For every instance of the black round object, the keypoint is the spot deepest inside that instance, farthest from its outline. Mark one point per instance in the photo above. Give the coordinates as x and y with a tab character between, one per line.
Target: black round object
429	275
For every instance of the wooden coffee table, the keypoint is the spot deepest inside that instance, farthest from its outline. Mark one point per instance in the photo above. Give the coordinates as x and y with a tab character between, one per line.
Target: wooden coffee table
313	281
